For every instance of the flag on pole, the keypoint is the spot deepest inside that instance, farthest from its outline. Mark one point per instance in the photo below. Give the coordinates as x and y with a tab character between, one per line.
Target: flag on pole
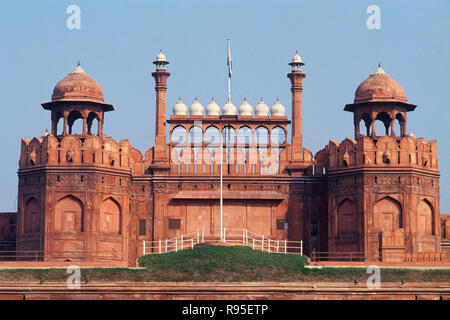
229	58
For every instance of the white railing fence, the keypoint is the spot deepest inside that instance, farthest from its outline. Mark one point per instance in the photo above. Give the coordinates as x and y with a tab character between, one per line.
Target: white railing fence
230	236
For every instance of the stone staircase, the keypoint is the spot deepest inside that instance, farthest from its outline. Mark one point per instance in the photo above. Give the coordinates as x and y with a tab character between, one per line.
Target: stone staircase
230	241
231	237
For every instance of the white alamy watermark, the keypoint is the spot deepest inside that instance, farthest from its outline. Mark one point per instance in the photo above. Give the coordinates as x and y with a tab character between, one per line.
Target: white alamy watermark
374	20
374	281
74	280
74	20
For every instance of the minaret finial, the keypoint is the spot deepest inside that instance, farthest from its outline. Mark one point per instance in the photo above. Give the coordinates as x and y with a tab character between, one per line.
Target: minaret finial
379	63
78	62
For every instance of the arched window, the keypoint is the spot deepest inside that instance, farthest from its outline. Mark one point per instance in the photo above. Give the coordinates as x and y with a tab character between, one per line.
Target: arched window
401	123
110	216
179	135
244	136
262	136
212	135
59	125
382	124
31	216
425	218
366	121
229	136
212	139
69	215
195	135
75	127
277	136
387	214
92	123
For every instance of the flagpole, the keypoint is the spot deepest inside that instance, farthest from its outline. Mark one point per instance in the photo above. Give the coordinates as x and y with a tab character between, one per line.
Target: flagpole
221	185
229	89
221	140
229	69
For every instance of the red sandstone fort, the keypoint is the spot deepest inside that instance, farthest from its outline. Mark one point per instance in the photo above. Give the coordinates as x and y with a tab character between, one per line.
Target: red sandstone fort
86	197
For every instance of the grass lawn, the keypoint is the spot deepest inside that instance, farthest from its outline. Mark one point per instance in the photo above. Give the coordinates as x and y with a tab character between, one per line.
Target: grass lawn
225	264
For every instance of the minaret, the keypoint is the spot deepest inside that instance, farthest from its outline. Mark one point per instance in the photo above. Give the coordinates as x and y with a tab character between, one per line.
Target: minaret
160	76
296	76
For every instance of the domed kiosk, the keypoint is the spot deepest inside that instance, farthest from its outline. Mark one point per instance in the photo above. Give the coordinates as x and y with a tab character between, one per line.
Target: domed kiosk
77	96
380	97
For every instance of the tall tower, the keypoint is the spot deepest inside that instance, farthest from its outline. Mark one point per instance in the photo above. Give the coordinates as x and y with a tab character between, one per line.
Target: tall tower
296	76
298	164
160	75
74	186
383	187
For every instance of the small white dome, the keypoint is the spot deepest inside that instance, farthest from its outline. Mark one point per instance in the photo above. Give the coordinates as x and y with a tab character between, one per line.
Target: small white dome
379	70
296	58
261	109
196	109
277	109
212	109
179	109
78	70
161	57
229	109
245	109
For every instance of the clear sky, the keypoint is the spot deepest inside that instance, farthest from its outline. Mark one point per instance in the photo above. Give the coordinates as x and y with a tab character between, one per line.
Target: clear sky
118	41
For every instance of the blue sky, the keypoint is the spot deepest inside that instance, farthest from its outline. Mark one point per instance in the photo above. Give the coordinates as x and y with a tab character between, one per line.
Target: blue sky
118	41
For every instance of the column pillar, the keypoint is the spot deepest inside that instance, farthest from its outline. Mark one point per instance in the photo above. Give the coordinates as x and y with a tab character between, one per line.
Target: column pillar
403	126
373	127
84	126
296	77
393	127
356	122
65	124
160	129
100	126
54	126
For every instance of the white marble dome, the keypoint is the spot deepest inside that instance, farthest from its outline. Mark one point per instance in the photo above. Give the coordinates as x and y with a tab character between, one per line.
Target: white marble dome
196	109
179	109
245	109
296	58
229	109
261	109
212	109
277	109
161	57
